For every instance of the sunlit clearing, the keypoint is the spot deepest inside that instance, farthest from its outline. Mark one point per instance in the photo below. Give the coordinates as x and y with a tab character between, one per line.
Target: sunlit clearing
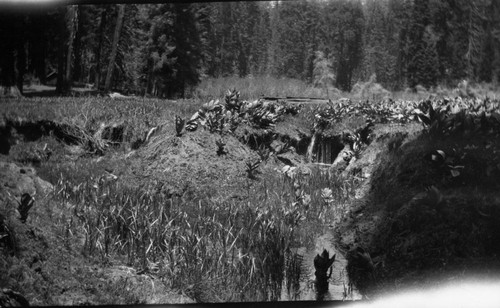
471	294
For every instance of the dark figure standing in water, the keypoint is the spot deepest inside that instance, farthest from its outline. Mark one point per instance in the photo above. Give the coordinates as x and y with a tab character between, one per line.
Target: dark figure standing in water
321	265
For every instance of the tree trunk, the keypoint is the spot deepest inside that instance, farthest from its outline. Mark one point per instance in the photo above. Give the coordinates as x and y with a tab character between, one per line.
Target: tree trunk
20	63
21	56
66	44
102	26
12	54
8	68
77	64
8	72
114	48
37	50
60	66
72	25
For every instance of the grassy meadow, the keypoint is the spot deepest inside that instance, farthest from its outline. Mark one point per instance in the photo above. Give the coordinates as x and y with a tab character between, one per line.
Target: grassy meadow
214	242
258	86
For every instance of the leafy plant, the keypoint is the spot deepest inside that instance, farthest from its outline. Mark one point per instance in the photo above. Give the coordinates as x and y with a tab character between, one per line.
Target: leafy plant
252	168
221	147
27	202
263	152
232	100
179	125
449	163
214	122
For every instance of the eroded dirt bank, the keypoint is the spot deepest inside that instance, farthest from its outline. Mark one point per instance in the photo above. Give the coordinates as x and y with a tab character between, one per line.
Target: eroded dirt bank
415	202
429	214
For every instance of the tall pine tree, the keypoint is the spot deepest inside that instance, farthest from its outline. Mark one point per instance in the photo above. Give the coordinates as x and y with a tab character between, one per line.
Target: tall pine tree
423	59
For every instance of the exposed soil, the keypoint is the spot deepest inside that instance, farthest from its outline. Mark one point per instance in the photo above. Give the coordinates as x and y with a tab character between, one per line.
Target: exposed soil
174	165
45	262
410	217
420	222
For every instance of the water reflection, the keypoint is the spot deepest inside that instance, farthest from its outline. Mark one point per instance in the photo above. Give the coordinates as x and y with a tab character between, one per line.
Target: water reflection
301	281
322	264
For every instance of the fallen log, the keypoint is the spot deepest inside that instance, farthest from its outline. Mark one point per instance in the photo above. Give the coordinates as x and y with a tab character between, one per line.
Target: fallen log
294	99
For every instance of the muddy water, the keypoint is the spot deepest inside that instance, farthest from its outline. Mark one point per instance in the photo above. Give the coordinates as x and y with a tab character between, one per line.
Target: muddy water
338	284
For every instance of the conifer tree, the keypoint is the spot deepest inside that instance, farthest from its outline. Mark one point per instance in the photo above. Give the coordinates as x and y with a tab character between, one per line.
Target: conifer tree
114	46
423	60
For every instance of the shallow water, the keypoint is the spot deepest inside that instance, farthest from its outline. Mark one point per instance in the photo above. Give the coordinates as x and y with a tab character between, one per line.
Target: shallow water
338	284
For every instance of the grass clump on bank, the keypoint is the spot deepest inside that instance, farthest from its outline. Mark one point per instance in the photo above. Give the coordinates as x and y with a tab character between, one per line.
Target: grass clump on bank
90	112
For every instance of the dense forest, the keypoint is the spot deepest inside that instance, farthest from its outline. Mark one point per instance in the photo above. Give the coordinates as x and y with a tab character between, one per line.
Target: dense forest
166	49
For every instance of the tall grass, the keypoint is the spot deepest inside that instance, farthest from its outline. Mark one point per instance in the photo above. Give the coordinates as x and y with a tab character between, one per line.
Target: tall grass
83	111
255	87
474	90
215	249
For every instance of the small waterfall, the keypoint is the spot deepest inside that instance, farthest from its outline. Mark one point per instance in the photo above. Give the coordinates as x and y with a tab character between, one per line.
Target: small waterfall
310	148
323	149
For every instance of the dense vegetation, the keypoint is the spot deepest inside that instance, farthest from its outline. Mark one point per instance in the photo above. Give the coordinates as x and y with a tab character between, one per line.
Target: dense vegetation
195	192
196	204
166	49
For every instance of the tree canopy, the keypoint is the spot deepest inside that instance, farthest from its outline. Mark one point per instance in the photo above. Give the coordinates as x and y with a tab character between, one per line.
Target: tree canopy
166	49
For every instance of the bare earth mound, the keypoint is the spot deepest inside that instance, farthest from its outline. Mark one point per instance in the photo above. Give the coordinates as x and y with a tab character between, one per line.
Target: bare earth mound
191	161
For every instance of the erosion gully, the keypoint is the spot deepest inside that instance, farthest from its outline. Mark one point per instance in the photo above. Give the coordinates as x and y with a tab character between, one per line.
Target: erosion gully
305	288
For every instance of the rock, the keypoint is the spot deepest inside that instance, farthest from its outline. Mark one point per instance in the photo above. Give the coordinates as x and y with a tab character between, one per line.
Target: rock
343	159
19	180
277	146
75	150
290	159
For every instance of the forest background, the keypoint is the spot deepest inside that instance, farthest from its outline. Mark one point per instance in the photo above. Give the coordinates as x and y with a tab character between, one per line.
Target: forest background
166	50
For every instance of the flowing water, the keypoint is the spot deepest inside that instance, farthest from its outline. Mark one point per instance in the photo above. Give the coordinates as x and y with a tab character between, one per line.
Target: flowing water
304	289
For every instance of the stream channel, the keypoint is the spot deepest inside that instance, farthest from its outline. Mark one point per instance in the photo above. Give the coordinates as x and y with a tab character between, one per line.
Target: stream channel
305	290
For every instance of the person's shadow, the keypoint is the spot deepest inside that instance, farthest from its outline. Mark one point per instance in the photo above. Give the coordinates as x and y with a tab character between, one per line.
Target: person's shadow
321	265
